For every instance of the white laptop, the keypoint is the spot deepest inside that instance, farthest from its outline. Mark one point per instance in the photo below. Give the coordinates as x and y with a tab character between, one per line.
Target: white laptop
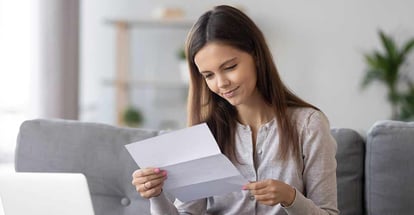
44	194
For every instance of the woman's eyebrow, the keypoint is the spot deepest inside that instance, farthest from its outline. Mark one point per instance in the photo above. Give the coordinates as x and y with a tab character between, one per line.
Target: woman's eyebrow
226	62
222	65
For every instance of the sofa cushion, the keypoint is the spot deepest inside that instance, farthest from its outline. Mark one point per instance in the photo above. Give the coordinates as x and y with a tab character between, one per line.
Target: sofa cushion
93	149
350	170
389	169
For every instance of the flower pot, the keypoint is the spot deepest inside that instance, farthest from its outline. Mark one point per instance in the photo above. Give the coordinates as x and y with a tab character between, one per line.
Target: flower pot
184	72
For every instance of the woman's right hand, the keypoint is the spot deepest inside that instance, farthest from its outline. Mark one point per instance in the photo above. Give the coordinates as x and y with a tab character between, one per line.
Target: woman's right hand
149	181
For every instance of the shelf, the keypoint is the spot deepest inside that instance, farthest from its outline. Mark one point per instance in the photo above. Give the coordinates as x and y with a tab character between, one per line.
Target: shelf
147	83
121	81
153	23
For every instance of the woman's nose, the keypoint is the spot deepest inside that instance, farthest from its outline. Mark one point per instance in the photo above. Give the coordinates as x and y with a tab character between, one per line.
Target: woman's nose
222	81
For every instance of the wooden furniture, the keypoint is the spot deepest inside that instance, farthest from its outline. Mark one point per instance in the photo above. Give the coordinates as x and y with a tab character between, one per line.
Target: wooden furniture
122	81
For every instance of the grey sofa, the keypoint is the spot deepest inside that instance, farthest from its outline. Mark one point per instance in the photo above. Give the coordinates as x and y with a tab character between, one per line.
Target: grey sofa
375	176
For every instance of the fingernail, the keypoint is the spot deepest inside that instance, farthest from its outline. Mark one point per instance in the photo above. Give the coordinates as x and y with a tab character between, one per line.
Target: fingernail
157	170
164	173
244	187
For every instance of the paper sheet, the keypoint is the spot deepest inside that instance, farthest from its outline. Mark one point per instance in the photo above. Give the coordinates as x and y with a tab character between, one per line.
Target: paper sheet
195	166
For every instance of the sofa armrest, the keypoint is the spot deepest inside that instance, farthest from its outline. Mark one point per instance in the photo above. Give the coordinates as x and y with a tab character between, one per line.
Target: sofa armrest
350	158
390	168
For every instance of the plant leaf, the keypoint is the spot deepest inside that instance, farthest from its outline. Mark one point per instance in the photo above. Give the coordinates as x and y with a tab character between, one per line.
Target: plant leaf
407	48
407	105
372	75
390	47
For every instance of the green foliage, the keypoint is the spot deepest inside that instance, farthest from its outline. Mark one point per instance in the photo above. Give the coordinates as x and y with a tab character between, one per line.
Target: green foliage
132	117
181	54
407	105
385	67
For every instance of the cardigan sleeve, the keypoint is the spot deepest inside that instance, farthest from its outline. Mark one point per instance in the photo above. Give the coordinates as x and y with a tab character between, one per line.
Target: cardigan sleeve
319	172
161	205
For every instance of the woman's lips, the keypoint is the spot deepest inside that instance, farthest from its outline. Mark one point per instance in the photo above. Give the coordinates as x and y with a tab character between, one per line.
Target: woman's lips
230	93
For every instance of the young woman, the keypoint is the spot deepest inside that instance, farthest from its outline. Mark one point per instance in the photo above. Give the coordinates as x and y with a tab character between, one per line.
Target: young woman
279	142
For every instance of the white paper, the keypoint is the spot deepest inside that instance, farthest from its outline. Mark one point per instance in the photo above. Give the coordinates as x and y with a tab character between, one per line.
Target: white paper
193	161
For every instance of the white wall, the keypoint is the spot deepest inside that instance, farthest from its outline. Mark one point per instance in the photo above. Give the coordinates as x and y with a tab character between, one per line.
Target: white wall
317	45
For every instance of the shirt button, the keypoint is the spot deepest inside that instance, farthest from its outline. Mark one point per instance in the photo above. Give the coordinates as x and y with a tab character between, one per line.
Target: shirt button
260	152
251	198
125	201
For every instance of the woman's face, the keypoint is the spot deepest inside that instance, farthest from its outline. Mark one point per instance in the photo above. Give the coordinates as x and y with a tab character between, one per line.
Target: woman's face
228	72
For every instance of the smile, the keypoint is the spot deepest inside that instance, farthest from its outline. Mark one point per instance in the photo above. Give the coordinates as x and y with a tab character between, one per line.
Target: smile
230	93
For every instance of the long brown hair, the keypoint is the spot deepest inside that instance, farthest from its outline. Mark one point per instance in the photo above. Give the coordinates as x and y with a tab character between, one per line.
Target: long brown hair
231	26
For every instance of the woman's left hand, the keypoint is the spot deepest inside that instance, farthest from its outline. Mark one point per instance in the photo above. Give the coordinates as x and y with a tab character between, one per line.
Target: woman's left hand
272	192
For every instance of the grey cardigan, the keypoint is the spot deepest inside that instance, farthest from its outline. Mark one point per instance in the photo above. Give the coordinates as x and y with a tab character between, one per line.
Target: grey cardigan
314	178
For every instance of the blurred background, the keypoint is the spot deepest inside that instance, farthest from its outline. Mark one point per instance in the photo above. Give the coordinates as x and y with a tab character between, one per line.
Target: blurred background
120	61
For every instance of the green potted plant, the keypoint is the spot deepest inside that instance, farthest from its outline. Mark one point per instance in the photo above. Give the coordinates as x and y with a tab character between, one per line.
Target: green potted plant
132	117
385	67
407	105
181	54
183	66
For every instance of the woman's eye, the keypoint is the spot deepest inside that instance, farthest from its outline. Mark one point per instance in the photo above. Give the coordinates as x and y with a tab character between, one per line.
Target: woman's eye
207	76
230	67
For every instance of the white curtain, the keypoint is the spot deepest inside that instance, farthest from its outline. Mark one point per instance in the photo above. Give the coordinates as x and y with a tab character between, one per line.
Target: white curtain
57	59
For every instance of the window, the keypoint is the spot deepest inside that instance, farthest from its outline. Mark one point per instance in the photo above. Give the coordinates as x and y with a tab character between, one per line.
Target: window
16	69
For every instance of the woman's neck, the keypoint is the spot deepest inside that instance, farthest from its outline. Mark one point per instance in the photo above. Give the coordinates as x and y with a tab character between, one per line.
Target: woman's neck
255	114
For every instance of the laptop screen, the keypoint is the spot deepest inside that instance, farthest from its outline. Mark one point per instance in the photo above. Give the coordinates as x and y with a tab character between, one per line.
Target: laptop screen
1	207
45	193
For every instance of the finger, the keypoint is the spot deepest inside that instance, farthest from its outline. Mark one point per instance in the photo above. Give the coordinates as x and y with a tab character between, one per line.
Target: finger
148	185
152	192
270	187
261	191
269	202
142	188
255	185
268	199
146	171
154	183
143	179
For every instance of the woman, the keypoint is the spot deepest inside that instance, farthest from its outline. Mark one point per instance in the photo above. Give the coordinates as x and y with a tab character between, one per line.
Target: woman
279	142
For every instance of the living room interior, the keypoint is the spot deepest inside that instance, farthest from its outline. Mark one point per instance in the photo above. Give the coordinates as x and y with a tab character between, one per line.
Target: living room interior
112	62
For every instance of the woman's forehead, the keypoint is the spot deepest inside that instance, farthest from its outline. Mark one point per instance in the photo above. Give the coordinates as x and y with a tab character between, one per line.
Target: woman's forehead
215	52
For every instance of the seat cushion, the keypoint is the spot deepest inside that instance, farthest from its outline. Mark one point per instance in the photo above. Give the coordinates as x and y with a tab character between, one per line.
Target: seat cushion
96	150
390	168
350	170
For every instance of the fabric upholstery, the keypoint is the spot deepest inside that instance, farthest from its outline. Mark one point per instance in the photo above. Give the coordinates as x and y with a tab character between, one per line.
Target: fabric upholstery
93	149
350	171
97	150
389	168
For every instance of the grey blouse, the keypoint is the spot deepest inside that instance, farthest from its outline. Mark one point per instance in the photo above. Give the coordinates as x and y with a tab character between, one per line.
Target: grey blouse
314	178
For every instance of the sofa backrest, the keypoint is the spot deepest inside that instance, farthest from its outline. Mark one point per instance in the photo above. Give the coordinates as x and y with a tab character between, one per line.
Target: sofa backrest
97	150
93	149
389	167
350	158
